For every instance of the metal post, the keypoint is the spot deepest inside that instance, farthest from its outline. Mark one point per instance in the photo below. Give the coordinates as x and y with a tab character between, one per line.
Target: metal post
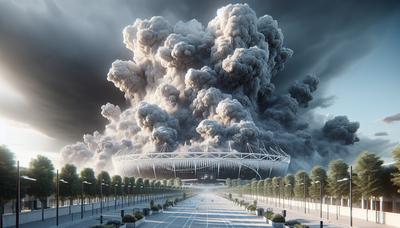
305	205
82	200
17	206
101	198
57	196
320	204
351	196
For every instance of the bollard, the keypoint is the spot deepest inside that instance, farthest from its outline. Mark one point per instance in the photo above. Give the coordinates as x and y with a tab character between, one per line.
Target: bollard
284	213
101	219
122	213
321	224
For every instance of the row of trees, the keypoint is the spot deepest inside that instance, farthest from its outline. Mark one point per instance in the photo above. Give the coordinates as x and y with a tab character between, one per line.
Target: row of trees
71	183
370	179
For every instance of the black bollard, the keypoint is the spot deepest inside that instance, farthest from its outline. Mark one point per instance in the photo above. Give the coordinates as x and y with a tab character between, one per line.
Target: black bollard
284	213
321	224
101	219
122	213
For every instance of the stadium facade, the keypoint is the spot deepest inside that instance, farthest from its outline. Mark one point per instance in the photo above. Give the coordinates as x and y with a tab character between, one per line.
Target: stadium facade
212	165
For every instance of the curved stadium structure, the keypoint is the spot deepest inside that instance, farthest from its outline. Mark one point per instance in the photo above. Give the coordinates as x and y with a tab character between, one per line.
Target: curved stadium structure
204	164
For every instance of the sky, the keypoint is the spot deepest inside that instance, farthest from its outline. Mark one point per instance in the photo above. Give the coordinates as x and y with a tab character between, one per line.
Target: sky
54	57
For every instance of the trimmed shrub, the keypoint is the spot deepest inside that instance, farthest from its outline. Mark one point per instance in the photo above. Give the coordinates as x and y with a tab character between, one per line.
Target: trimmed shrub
301	226
154	208
114	223
278	218
159	207
139	215
268	215
129	219
251	208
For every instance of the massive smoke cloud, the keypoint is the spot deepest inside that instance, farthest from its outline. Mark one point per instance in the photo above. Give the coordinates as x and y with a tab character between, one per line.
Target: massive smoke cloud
209	86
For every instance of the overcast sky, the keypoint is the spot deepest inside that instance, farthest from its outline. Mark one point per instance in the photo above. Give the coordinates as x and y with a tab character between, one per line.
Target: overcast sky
54	57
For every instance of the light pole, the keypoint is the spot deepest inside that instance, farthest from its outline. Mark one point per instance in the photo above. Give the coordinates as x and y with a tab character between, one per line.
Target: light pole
101	197
320	195
115	196
82	184
58	194
350	179
18	202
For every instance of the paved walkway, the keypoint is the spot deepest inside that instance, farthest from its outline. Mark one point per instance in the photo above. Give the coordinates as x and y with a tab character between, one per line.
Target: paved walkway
204	210
312	217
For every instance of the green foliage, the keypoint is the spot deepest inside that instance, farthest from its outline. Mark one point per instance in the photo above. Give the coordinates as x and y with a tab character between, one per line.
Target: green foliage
252	207
396	174
337	171
278	218
301	226
87	174
289	183
178	182
104	177
116	183
7	176
129	219
369	171
42	170
302	182
228	182
318	178
268	187
276	186
71	189
268	214
127	183
139	215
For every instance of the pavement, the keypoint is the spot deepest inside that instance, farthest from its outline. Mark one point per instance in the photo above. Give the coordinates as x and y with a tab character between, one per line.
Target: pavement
312	217
204	210
89	219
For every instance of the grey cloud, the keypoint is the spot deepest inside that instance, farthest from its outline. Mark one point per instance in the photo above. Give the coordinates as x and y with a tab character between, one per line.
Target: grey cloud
392	118
382	133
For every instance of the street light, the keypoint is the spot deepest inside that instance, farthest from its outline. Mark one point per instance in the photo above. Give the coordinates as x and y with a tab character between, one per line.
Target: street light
17	204
58	180
83	183
101	198
350	179
115	196
320	195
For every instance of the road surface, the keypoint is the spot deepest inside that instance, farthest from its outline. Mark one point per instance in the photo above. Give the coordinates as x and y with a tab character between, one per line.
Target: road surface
204	210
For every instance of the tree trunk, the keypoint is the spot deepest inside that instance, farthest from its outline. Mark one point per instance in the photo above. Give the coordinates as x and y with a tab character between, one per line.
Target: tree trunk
43	202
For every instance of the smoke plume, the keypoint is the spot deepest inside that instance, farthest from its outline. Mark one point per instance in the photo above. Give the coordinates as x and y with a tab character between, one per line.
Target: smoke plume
209	86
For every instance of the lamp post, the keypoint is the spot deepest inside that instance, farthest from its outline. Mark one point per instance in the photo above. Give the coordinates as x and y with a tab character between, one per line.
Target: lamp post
82	184
18	202
320	195
350	179
115	196
58	180
101	196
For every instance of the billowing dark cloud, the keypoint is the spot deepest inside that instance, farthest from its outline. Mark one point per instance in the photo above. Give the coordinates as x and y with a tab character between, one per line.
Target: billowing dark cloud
382	133
392	118
60	53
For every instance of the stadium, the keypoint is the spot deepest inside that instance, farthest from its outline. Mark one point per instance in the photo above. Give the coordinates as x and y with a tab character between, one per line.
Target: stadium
203	165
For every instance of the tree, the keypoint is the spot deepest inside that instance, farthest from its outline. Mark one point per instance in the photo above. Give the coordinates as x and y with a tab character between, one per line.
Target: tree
116	183
337	171
70	190
228	182
370	173
42	170
7	178
260	187
268	187
87	174
139	185
178	182
127	185
104	177
301	179
132	183
396	174
276	186
289	184
318	177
